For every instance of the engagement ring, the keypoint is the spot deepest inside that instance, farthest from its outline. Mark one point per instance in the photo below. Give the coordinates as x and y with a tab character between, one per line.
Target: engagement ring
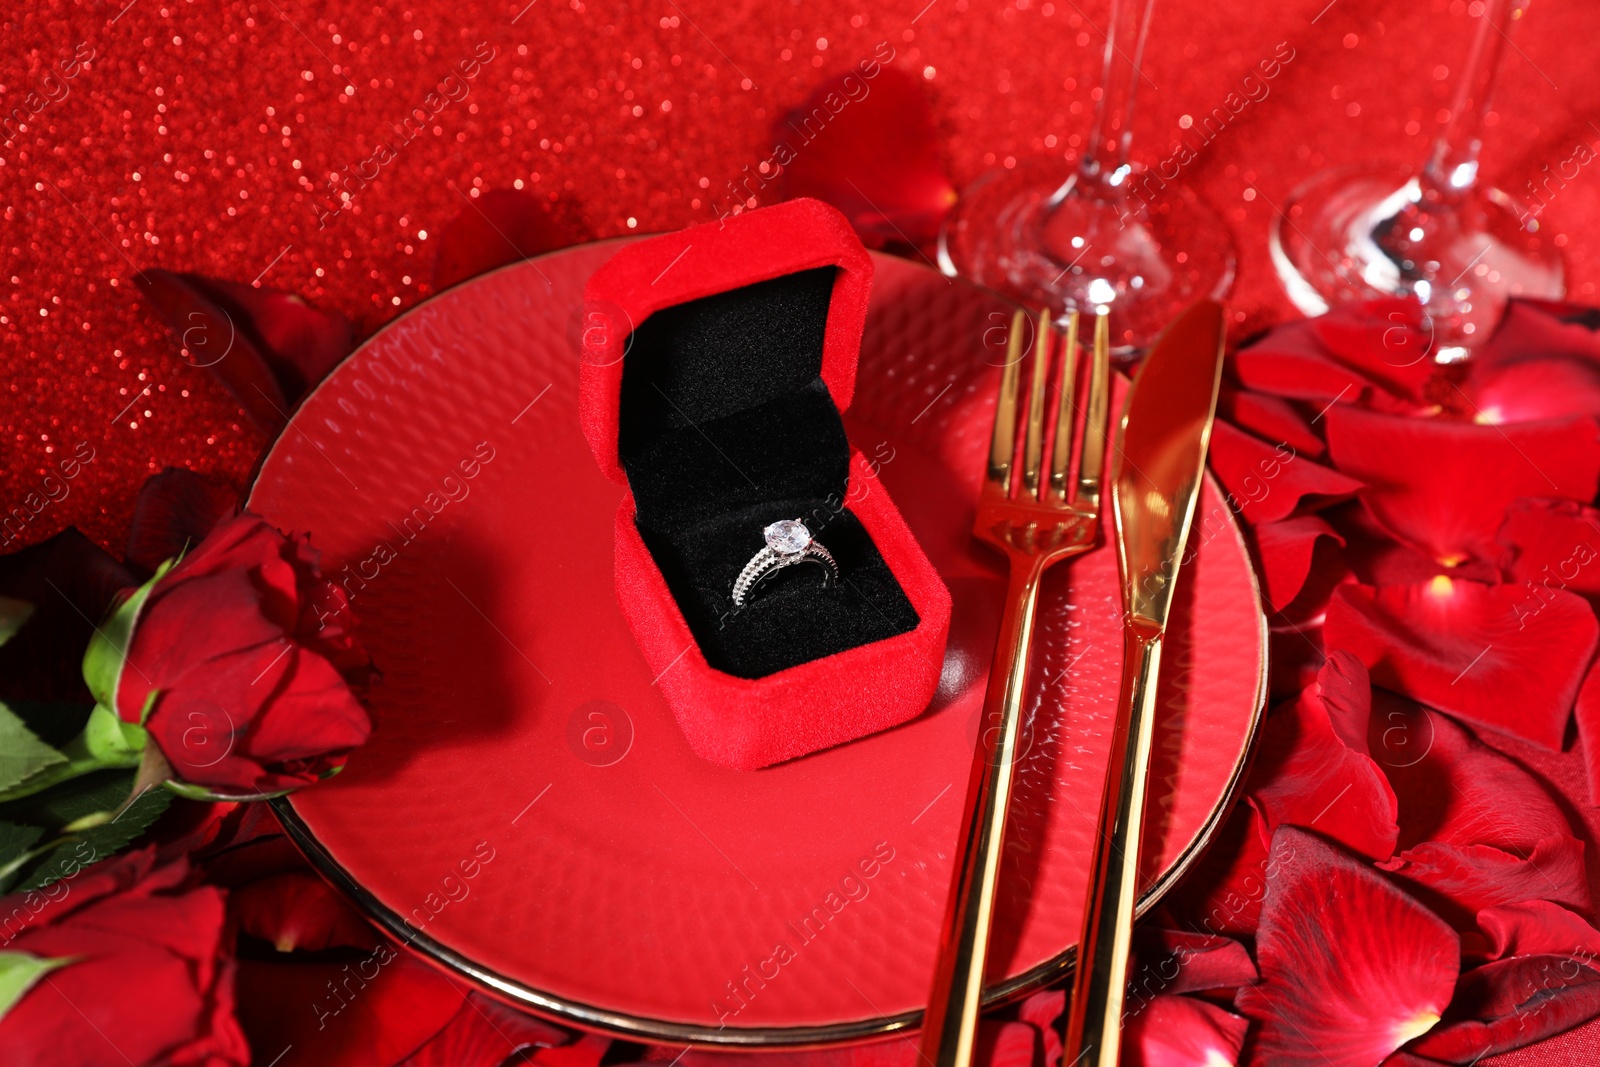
788	543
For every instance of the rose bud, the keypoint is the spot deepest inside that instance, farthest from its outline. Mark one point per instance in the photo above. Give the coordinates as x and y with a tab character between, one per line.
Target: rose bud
239	664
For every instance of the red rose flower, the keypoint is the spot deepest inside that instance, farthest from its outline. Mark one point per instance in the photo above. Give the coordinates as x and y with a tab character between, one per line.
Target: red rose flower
142	972
241	665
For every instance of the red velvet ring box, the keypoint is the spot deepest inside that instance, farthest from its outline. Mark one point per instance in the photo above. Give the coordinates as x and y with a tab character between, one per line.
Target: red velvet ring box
716	363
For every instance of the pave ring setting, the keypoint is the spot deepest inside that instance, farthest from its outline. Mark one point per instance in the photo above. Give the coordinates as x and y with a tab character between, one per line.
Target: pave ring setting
789	542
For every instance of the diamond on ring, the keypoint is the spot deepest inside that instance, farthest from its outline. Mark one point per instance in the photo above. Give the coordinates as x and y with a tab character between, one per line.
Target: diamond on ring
789	542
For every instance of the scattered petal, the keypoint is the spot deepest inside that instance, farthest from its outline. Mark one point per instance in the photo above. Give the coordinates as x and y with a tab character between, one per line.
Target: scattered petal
297	911
874	156
1537	927
1462	647
1268	483
1287	549
1173	1031
1476	830
1445	485
1182	961
1552	544
1511	1003
1270	418
1291	361
174	511
266	347
1351	967
502	226
371	1011
1314	769
1386	340
486	1033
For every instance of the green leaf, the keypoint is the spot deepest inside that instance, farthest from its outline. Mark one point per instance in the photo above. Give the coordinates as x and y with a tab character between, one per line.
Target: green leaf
22	755
53	723
19	971
108	648
13	613
96	843
16	840
89	806
106	742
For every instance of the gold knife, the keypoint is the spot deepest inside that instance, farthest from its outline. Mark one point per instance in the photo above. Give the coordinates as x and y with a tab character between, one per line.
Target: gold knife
1160	457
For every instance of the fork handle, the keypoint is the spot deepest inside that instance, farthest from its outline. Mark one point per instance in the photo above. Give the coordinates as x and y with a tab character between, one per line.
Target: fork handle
1099	988
950	1025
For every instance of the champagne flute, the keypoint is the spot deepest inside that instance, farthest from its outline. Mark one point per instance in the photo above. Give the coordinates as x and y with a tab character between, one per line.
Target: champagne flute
1109	236
1462	249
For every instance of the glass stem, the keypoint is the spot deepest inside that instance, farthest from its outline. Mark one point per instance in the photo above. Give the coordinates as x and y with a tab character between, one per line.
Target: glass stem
1452	168
1103	165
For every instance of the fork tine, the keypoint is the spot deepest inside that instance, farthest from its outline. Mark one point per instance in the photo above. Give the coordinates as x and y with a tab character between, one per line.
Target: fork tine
1033	445
1061	451
1093	450
1003	442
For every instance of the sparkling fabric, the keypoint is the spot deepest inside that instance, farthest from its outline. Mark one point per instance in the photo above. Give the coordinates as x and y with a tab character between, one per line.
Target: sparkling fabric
203	137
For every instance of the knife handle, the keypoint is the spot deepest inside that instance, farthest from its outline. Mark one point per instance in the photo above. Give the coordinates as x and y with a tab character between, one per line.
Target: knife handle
950	1026
1099	987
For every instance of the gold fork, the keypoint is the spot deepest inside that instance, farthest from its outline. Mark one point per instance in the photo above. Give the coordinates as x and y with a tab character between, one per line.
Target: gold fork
1036	520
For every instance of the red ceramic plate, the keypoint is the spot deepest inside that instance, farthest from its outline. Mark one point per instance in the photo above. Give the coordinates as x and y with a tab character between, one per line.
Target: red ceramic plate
527	814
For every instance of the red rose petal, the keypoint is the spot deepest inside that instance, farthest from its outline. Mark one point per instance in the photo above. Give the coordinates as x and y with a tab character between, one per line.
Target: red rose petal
1182	961
1269	418
372	1011
1376	558
152	974
1287	549
1291	361
1463	647
1457	880
185	626
1537	927
867	146
1295	655
297	910
1043	1012
1269	483
499	227
1587	713
1552	544
1314	770
1476	830
485	1033
1512	1003
1540	329
1445	486
1224	891
1534	389
1351	967
1386	340
1173	1031
305	721
301	343
210	337
175	510
266	347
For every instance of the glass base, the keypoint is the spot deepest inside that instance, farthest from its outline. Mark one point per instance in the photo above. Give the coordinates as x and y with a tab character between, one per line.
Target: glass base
1024	234
1366	232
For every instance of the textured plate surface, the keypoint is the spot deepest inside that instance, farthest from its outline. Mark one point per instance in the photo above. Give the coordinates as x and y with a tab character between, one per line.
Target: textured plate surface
615	879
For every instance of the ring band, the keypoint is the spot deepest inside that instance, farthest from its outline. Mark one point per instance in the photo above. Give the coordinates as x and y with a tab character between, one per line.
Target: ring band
788	542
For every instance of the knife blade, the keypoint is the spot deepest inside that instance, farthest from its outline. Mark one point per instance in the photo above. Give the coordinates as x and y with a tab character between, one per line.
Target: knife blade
1162	440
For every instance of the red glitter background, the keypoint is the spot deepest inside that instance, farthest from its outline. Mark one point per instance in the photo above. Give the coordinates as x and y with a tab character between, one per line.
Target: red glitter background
201	136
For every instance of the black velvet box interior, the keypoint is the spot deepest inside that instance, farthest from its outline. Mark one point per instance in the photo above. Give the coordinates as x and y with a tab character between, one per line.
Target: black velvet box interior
726	426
